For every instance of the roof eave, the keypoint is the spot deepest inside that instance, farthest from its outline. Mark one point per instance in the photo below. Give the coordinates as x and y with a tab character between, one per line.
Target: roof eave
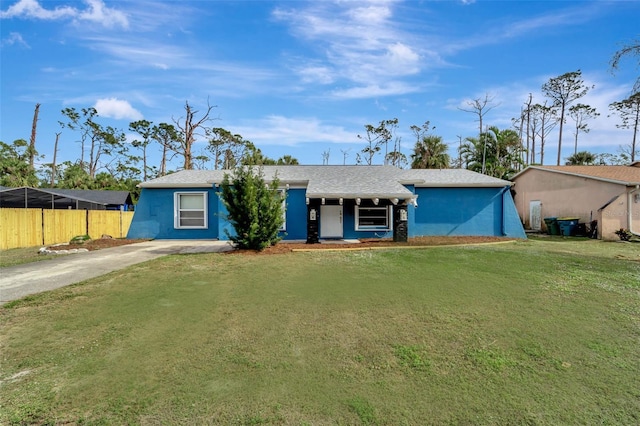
466	185
174	185
353	196
602	179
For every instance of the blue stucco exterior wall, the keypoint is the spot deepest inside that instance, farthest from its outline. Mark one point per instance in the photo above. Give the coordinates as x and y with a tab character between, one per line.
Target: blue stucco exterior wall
154	216
296	215
511	219
440	211
465	211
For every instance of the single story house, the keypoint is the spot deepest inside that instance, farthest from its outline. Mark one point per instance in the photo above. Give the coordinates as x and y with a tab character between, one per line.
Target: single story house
336	202
608	194
57	198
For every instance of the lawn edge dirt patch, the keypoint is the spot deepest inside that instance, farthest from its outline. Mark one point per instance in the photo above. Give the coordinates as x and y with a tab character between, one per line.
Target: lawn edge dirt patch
375	244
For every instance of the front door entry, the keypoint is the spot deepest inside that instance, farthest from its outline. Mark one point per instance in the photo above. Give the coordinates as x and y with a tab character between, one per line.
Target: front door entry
331	222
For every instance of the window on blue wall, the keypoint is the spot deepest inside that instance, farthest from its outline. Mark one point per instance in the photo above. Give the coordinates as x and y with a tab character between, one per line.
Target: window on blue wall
373	218
190	210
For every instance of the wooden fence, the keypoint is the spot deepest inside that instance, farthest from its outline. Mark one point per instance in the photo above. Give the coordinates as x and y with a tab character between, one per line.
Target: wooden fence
34	227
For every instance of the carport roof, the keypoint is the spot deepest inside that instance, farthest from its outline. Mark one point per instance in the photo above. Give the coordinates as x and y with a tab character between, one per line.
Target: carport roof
45	196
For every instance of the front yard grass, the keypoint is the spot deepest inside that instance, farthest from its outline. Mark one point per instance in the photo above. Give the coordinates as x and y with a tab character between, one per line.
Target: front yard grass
18	256
533	332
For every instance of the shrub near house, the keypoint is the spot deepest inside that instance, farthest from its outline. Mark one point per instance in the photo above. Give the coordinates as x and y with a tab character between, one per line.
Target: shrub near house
254	208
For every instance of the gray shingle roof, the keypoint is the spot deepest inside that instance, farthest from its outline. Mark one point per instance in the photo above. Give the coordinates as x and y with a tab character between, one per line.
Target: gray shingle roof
341	181
452	177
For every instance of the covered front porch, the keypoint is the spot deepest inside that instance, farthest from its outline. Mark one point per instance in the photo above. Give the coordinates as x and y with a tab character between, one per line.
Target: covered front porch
357	217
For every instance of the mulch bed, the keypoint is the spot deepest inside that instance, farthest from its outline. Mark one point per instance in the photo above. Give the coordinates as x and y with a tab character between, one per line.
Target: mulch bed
284	247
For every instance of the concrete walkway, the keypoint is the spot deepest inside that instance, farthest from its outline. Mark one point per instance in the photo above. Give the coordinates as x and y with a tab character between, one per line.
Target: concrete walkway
31	278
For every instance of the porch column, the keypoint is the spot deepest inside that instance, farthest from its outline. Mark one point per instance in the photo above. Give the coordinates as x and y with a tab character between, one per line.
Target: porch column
400	223
313	220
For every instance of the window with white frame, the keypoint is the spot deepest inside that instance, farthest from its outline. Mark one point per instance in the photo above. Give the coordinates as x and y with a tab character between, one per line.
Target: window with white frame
373	218
190	210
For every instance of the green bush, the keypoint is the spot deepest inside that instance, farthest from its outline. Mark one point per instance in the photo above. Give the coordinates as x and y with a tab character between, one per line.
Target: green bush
624	234
254	208
79	239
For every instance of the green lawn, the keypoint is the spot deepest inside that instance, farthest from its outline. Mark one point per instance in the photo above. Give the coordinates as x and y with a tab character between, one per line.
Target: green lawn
17	256
536	332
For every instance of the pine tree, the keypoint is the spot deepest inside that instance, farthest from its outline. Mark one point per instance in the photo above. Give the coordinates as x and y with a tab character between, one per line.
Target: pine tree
254	208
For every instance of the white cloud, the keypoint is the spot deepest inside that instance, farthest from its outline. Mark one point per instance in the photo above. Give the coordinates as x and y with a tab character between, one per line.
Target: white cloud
32	9
96	12
402	59
118	109
515	28
287	131
375	90
316	74
361	43
14	39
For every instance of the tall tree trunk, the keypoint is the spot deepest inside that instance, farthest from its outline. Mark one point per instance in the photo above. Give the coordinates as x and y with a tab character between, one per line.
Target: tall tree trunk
163	162
560	133
531	155
53	163
144	163
32	142
635	134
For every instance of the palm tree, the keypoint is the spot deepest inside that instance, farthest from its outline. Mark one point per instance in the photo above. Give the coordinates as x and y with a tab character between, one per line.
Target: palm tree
430	153
496	153
582	158
287	160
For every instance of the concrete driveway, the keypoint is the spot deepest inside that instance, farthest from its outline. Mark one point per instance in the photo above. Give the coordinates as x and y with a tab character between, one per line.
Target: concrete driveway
31	278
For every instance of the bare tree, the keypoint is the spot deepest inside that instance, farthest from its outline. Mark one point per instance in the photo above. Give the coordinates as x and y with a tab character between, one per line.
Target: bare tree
629	112
32	142
563	90
543	120
325	157
376	138
53	162
580	113
631	49
528	112
345	154
189	126
480	107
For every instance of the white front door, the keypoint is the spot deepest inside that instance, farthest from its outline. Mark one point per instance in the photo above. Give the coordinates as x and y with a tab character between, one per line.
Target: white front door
535	215
330	221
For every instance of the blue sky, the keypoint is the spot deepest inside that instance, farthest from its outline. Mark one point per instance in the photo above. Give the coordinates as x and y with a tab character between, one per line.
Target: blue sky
303	78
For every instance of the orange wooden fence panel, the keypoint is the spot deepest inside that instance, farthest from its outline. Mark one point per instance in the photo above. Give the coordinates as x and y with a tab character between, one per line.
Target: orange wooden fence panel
60	226
113	223
20	228
34	227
